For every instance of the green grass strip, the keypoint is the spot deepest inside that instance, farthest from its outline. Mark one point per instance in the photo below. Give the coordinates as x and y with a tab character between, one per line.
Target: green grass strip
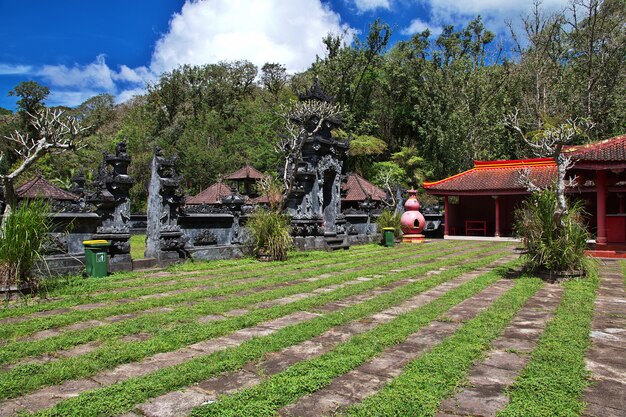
234	270
222	276
42	323
552	383
156	321
14	383
427	380
309	376
125	395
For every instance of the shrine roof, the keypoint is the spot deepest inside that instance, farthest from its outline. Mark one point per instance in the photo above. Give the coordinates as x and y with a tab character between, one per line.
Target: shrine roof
610	151
246	172
496	177
39	187
211	195
358	189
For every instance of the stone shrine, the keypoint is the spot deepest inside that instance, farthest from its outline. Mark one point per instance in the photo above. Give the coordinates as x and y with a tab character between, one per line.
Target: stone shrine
164	239
110	194
314	200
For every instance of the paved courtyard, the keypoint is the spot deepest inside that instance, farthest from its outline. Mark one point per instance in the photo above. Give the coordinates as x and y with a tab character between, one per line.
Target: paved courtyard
445	329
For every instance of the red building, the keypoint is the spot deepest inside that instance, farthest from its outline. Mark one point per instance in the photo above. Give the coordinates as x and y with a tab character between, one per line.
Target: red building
482	200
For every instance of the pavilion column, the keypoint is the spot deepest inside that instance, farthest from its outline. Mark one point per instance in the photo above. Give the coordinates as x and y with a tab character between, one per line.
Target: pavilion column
497	201
446	216
601	206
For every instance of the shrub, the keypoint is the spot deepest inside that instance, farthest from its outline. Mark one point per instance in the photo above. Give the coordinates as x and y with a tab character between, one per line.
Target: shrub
271	234
22	238
390	219
549	245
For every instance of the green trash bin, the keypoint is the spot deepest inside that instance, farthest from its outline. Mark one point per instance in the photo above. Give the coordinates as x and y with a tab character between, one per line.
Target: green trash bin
388	236
96	257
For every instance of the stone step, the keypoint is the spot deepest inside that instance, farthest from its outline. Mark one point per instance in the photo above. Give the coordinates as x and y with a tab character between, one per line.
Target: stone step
145	263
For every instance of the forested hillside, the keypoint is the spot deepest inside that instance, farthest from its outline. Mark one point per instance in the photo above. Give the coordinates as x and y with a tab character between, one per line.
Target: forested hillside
421	108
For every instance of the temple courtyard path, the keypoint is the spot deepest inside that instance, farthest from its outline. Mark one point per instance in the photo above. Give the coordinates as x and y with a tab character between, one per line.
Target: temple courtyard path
447	328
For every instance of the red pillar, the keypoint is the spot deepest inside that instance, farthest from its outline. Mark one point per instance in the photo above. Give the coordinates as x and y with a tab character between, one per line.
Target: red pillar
497	200
601	206
446	224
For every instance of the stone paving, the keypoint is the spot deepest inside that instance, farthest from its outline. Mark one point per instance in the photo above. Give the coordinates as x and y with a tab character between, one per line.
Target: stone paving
179	403
49	396
485	392
489	378
606	358
369	377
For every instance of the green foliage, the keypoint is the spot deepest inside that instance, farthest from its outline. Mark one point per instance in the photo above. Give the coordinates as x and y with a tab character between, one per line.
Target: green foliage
137	246
388	218
271	234
549	245
553	381
22	239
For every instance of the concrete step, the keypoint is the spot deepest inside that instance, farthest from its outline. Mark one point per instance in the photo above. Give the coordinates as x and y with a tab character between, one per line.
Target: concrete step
145	263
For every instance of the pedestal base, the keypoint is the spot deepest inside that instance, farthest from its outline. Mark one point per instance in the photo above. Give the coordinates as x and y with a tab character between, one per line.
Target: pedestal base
413	238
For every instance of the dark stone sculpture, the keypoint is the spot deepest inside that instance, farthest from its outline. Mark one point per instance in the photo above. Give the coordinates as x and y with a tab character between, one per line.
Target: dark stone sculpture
110	193
314	202
164	240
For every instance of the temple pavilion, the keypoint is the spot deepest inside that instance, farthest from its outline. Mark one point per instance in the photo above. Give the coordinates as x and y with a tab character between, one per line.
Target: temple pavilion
482	200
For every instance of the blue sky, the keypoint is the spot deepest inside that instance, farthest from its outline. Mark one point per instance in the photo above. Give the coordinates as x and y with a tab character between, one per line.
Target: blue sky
82	48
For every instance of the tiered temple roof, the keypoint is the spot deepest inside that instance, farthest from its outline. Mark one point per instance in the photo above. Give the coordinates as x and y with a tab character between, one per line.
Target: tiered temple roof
358	188
211	195
248	172
39	187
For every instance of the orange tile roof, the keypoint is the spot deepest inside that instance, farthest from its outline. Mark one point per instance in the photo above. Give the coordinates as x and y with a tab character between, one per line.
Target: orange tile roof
493	177
39	187
609	150
358	189
211	195
246	172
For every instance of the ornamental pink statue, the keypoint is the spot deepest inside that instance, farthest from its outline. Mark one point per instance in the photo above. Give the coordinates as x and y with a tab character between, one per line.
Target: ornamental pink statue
412	220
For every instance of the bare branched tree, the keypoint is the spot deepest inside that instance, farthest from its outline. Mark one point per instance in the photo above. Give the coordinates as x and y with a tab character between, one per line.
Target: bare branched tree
549	142
55	132
302	120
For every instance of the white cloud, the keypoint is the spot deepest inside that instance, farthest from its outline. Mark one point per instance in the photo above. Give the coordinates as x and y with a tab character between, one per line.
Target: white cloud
204	32
369	5
126	95
418	26
209	31
96	75
494	12
10	69
69	98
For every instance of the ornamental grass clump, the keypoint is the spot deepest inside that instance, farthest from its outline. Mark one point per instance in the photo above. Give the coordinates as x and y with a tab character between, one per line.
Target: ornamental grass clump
553	243
23	235
389	218
271	234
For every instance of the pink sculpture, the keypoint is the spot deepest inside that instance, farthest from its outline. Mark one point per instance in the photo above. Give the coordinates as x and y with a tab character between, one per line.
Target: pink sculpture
412	220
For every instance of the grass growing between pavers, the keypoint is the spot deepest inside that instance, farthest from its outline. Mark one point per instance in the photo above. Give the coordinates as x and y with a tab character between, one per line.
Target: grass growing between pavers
309	376
221	275
158	321
266	278
552	383
75	290
426	381
13	382
125	395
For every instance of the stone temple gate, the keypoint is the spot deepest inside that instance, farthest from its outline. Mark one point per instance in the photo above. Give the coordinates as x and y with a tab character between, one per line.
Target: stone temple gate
314	203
